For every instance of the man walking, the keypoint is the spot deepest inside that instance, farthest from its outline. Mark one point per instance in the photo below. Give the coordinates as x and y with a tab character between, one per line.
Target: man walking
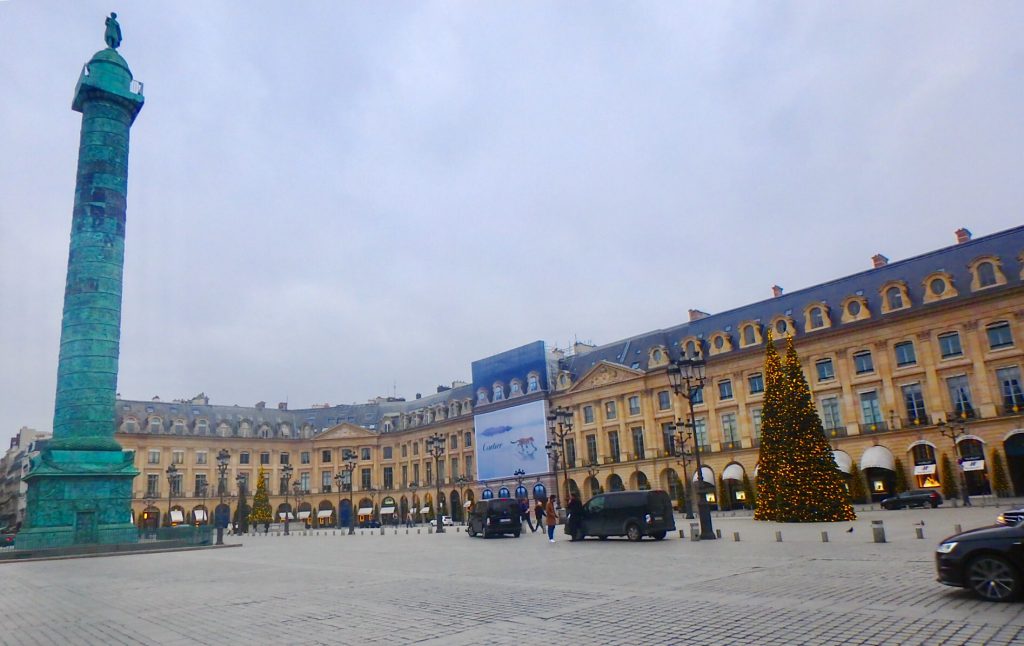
575	519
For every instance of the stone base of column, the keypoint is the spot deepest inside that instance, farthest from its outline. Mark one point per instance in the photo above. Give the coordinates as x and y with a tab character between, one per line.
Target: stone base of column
79	498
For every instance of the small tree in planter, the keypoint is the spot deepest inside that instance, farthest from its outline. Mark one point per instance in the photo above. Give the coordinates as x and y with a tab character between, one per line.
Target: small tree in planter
858	490
749	490
1000	483
950	487
724	499
241	518
901	476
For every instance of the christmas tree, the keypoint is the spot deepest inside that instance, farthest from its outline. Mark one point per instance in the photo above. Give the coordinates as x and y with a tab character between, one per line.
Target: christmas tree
804	483
261	512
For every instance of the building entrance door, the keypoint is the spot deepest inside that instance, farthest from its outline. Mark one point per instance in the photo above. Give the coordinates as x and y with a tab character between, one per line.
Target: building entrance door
1014	446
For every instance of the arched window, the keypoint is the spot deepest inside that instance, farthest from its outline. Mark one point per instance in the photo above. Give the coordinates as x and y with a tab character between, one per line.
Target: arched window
748	335
521	492
894	297
986	274
532	382
691	349
514	388
817	320
656	355
503	492
540	491
781	326
481	396
155	425
498	392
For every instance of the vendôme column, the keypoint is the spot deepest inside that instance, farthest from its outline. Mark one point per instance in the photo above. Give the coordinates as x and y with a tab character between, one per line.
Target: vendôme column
80	486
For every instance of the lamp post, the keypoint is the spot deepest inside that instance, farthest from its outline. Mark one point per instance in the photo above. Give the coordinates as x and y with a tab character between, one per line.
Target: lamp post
286	477
687	376
954	432
297	490
243	513
413	486
223	456
462	481
592	470
435	449
679	450
202	493
172	475
348	456
339	479
560	425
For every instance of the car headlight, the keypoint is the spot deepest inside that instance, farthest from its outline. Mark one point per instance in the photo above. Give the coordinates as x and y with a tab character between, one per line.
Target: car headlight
946	548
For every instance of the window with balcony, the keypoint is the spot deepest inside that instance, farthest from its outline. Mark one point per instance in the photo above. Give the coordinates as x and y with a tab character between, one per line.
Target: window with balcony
756	383
366	479
826	370
638	442
389	477
700	432
831	415
960	396
870	410
176	489
453	441
429	470
570	452
1009	387
634	405
755	418
905	355
592	449
913	399
949	345
698	395
202	488
999	335
326	478
467	440
863	363
469	466
304	481
613	445
730	434
152	485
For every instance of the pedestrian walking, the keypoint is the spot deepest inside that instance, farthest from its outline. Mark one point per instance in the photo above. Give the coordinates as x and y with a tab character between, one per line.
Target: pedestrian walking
538	511
575	517
551	518
524	514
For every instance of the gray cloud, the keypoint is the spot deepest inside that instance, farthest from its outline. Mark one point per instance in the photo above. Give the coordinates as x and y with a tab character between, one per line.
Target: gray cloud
329	199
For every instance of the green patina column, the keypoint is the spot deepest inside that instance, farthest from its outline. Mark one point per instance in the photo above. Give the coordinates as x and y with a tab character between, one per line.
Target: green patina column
80	487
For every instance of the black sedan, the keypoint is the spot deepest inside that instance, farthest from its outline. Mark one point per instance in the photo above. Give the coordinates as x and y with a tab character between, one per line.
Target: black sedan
913	498
1011	517
989	561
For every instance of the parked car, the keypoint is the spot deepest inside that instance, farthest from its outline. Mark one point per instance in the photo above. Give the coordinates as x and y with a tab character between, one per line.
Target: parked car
7	540
445	520
914	498
633	514
989	561
495	516
1011	517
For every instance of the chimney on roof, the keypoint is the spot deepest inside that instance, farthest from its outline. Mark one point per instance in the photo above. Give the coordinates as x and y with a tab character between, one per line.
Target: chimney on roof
261	405
282	405
878	260
776	291
963	235
696	315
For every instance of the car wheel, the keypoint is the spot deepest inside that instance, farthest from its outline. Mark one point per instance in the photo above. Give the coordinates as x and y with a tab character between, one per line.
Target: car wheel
471	531
934	505
993	578
603	538
633	532
579	535
658	536
516	534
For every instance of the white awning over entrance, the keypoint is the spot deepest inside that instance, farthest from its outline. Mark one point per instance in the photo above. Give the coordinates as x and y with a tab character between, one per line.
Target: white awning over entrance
177	516
200	514
284	515
733	472
303	515
365	511
877	457
324	513
387	510
709	475
924	469
425	510
843	461
467	503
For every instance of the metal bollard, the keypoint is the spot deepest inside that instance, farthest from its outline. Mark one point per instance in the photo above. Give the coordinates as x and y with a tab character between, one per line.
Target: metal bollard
736	537
681	535
878	531
778	537
694	532
824	537
957	529
430	529
919	531
718	533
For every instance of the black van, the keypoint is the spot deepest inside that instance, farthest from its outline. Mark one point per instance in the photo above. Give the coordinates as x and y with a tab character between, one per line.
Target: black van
495	516
633	514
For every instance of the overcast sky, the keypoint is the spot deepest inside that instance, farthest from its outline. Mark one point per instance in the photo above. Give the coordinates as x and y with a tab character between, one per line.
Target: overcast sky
331	201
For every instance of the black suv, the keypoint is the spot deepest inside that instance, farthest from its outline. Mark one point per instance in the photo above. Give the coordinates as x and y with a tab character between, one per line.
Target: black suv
913	498
495	516
633	514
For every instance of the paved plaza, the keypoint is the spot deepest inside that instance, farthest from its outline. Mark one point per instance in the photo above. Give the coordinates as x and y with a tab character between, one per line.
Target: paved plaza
451	589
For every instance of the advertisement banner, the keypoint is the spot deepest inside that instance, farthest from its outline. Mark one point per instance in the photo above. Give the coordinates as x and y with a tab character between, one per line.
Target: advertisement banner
510	439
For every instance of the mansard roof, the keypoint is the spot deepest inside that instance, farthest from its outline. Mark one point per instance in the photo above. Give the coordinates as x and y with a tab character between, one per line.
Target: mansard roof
1006	245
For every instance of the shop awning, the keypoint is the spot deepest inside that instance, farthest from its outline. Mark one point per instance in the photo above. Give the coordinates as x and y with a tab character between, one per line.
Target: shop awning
365	511
843	461
200	514
387	510
732	472
177	516
924	469
425	510
877	457
303	515
467	503
974	465
324	513
709	475
284	515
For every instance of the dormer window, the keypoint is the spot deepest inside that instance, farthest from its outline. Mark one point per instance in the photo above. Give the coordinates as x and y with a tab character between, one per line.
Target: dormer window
481	396
894	298
817	320
498	391
986	274
514	388
532	382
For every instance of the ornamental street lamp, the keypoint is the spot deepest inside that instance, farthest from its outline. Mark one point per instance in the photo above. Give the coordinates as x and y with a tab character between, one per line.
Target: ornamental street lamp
592	470
679	450
223	456
687	377
348	456
339	479
286	477
297	490
243	514
462	481
413	486
435	449
954	432
560	425
172	476
202	492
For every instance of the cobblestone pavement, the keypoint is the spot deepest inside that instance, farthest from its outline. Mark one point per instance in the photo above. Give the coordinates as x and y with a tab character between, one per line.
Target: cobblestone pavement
450	589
